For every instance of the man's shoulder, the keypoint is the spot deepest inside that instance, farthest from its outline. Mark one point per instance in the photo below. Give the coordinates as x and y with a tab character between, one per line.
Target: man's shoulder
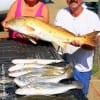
90	12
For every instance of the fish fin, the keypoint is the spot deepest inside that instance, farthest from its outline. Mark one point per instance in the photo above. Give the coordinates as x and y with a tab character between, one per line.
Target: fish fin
32	40
69	68
90	41
98	34
63	45
64	30
77	84
30	29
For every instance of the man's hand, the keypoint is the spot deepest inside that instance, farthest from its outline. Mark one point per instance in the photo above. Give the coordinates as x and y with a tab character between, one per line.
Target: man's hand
76	43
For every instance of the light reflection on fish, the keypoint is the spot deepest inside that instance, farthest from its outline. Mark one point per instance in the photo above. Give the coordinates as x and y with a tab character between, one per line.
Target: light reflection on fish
42	88
31	27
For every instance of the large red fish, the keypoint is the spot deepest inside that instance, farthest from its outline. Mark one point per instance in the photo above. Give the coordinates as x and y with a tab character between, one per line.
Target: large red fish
31	27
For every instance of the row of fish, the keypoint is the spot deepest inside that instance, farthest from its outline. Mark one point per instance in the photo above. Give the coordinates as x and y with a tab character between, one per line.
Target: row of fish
48	75
26	73
41	79
31	27
36	66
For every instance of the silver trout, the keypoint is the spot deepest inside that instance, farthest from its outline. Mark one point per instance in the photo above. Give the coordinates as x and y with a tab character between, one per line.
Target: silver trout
31	66
36	61
24	81
37	71
31	27
42	88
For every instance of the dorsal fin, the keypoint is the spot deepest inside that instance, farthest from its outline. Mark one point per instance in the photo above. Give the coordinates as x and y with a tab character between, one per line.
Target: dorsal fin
63	29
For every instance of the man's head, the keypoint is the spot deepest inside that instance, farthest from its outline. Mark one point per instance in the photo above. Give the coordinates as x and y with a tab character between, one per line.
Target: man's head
74	4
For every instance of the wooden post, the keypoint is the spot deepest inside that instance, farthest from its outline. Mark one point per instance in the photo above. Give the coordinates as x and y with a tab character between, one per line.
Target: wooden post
97	51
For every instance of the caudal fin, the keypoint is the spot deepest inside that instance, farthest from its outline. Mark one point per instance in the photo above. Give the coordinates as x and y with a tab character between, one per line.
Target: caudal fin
91	41
77	84
69	71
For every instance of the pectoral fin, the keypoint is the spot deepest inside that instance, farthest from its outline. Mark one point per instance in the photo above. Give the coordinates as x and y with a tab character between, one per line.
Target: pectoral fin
32	40
63	45
30	29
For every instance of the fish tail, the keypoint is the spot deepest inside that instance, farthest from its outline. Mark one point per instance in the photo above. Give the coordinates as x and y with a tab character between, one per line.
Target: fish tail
90	41
69	71
98	34
77	84
69	67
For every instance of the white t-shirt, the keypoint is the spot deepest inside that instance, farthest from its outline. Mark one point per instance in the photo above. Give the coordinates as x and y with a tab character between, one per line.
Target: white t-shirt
85	23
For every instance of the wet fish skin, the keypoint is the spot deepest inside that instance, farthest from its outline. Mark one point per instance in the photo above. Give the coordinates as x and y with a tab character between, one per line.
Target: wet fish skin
32	26
42	88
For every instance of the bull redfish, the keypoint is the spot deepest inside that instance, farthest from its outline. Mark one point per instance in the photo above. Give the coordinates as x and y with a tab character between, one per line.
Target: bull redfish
42	88
31	27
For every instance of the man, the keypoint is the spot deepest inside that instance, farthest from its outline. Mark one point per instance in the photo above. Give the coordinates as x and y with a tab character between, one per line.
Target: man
79	21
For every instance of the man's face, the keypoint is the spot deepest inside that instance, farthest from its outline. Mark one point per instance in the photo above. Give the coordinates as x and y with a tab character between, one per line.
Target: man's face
74	4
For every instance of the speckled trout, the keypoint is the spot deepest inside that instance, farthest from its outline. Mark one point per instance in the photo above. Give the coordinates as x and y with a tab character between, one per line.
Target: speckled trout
26	80
47	70
36	71
36	61
31	27
42	88
32	66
